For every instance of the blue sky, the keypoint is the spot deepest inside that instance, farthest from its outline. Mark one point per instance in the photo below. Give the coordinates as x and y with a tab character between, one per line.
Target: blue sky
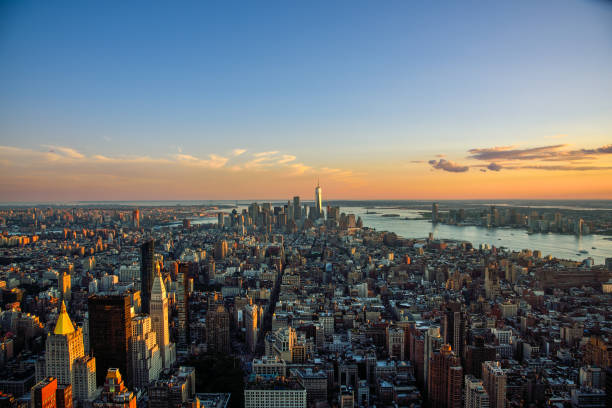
329	82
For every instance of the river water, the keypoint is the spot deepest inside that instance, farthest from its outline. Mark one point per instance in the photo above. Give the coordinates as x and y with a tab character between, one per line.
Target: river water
557	245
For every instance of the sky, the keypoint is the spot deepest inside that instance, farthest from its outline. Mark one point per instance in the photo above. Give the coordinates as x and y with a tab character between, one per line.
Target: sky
151	100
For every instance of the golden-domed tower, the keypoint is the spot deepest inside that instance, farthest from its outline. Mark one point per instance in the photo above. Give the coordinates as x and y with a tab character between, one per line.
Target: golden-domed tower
63	347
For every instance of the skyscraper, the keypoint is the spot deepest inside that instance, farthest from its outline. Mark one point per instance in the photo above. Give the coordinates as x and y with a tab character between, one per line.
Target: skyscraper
110	325
220	220
475	394
318	200
454	327
182	305
147	273
84	385
63	347
494	381
297	209
64	286
43	393
434	213
146	358
159	321
432	342
251	323
217	329
221	249
445	377
136	218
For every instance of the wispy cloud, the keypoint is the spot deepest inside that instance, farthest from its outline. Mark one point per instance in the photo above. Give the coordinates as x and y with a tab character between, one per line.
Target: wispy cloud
238	152
286	158
63	166
214	161
66	152
269	153
544	153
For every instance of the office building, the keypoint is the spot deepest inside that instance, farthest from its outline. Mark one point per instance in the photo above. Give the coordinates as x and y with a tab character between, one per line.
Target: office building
475	394
494	381
346	398
136	218
84	385
251	324
454	327
274	393
110	323
146	357
297	209
395	343
63	347
218	329
43	393
315	383
445	379
435	215
220	220
432	342
147	273
159	321
182	305
318	201
63	396
115	394
65	286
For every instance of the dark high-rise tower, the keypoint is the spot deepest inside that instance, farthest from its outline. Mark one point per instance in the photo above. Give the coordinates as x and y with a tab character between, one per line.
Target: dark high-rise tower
110	325
147	273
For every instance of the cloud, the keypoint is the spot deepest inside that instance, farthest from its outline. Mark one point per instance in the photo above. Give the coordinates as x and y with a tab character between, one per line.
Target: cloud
65	152
214	161
263	154
561	168
440	155
286	158
300	168
56	170
600	150
238	152
543	153
510	153
448	165
494	167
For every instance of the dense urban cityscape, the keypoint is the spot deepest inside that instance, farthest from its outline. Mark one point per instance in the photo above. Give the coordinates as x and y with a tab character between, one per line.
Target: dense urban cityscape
315	204
288	305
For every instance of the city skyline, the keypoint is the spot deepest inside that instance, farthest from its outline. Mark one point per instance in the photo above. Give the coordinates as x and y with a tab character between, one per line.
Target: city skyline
405	101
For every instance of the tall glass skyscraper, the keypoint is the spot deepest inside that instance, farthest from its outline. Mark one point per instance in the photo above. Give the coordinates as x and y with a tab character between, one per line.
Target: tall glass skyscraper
318	200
